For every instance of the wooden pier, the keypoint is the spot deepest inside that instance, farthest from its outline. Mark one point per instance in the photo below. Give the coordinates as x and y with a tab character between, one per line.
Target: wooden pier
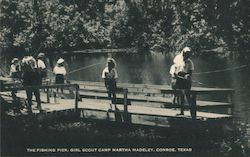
136	103
157	95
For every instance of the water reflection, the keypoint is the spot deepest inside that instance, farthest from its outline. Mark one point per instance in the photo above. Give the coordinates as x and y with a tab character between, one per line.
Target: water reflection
154	69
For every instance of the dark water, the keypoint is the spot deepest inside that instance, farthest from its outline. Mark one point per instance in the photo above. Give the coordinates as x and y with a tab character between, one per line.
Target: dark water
153	69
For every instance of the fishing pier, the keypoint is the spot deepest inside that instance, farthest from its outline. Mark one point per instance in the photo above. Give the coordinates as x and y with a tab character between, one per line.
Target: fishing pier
142	104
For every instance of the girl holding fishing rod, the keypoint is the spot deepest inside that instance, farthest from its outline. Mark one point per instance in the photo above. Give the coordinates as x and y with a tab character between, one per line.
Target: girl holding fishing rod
60	72
181	72
110	75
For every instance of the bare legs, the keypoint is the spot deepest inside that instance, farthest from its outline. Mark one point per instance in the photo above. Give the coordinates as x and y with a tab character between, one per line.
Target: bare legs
29	98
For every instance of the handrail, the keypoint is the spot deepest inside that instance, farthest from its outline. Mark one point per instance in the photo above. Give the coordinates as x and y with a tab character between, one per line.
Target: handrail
37	87
199	92
46	87
150	88
157	89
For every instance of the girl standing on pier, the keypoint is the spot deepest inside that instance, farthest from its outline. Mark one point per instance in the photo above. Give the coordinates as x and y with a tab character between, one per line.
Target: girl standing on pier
110	75
181	73
15	69
31	77
60	72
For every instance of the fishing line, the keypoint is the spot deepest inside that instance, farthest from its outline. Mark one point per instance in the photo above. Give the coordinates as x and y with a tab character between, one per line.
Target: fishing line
193	81
4	71
35	53
86	67
222	70
216	71
200	83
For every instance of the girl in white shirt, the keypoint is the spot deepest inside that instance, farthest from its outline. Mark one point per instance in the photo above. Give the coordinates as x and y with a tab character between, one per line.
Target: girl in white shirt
110	75
60	72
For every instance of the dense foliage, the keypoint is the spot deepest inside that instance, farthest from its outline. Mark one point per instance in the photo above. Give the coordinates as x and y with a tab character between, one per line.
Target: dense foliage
212	26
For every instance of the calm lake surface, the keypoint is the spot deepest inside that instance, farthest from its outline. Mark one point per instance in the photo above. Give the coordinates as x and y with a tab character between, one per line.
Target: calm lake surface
154	69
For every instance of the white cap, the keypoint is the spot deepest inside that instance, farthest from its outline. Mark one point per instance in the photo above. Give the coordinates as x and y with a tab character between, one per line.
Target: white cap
60	61
26	59
29	60
111	60
41	55
14	60
186	49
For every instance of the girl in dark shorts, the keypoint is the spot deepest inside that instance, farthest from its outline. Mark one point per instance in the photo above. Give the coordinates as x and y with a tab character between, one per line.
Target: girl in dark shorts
59	79
60	72
109	75
181	73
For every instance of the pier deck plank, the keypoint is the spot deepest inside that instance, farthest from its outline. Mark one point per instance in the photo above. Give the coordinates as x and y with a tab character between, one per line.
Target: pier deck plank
142	93
148	87
104	105
157	99
167	101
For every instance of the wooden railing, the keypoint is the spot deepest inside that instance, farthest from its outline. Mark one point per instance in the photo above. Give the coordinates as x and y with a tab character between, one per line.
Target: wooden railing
47	87
195	91
98	88
127	93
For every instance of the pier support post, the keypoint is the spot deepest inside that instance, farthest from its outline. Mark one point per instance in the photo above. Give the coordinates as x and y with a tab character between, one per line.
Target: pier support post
48	96
76	97
126	115
77	111
55	95
193	106
47	92
230	100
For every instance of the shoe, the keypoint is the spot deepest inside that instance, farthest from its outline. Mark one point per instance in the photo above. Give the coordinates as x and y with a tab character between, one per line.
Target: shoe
30	112
39	108
42	111
111	107
180	114
173	100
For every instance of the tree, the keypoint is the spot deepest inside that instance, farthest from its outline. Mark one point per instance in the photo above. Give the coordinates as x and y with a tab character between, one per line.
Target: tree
216	26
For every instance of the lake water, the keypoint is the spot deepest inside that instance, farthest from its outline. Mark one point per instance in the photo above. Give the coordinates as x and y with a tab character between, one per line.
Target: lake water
154	69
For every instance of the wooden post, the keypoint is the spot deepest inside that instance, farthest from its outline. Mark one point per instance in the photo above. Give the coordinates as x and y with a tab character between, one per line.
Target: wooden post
125	103
76	97
193	106
230	100
126	115
54	94
125	100
47	92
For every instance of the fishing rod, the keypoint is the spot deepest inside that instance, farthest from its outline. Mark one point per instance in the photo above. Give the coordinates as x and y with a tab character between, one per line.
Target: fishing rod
4	72
92	65
35	53
181	77
83	68
214	71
